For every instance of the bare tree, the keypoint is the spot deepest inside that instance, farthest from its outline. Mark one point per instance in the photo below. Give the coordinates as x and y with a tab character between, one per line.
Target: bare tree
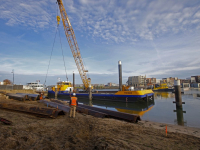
7	82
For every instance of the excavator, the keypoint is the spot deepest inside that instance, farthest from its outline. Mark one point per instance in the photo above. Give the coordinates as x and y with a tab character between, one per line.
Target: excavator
69	32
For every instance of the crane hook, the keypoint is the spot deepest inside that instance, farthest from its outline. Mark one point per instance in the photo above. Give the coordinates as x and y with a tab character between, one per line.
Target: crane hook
58	19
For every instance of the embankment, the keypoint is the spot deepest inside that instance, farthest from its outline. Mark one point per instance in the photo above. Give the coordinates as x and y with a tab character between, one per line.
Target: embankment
87	132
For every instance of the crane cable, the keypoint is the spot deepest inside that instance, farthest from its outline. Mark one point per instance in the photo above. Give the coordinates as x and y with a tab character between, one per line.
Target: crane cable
51	55
58	22
51	51
63	55
58	19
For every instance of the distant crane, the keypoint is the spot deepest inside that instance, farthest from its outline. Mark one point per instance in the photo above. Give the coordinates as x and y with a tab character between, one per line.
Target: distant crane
69	32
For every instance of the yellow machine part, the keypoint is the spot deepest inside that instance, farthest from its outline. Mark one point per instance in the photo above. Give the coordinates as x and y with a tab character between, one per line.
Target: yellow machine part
58	19
143	92
125	88
62	86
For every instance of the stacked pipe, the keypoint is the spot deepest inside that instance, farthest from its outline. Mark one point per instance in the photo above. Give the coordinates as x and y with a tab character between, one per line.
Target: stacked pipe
97	112
41	111
16	96
23	96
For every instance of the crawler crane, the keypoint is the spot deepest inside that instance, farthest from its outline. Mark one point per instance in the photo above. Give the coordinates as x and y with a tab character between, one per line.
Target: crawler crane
124	95
69	32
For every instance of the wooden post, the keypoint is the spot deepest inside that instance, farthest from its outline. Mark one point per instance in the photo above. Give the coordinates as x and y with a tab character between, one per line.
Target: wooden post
178	97
179	114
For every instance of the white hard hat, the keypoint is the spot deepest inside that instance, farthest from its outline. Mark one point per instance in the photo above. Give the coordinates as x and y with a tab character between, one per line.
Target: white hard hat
74	94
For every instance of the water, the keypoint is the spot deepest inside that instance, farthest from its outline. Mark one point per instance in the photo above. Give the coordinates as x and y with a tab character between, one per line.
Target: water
161	109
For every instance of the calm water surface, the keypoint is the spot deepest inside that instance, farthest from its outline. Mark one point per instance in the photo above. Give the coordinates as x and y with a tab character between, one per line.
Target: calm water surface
161	109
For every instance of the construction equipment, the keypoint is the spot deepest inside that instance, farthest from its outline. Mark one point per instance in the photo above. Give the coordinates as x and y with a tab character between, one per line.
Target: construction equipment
125	88
69	32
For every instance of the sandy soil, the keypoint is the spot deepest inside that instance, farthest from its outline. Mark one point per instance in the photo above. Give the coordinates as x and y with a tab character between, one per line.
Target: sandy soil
88	132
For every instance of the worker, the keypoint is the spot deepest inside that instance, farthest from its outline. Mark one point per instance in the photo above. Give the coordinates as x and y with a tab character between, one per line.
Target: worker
41	96
73	103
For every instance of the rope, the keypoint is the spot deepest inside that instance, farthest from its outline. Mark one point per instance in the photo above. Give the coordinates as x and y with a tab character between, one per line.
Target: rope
51	55
63	55
62	49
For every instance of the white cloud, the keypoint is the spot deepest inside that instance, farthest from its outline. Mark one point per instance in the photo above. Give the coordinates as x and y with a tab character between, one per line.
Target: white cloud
121	23
113	21
197	14
30	13
37	65
148	38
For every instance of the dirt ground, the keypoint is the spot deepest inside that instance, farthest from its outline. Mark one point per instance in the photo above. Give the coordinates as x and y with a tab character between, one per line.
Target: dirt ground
87	132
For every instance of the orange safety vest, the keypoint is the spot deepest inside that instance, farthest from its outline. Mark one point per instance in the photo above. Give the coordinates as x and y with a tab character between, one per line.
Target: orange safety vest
73	101
41	96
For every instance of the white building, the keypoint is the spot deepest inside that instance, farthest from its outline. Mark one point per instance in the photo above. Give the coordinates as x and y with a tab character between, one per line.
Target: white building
136	81
193	80
158	81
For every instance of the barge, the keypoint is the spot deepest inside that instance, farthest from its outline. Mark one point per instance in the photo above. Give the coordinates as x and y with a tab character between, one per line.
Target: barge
122	96
162	88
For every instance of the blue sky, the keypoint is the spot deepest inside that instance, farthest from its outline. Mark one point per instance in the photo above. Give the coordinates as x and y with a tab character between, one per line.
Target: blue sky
151	37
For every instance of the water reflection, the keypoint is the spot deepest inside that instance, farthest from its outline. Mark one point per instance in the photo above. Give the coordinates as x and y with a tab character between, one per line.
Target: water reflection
164	95
179	114
140	107
196	96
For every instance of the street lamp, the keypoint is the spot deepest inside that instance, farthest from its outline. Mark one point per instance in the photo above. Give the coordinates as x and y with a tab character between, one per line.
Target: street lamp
13	76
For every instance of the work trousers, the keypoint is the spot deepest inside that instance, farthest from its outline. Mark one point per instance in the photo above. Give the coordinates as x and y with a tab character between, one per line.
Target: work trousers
72	111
